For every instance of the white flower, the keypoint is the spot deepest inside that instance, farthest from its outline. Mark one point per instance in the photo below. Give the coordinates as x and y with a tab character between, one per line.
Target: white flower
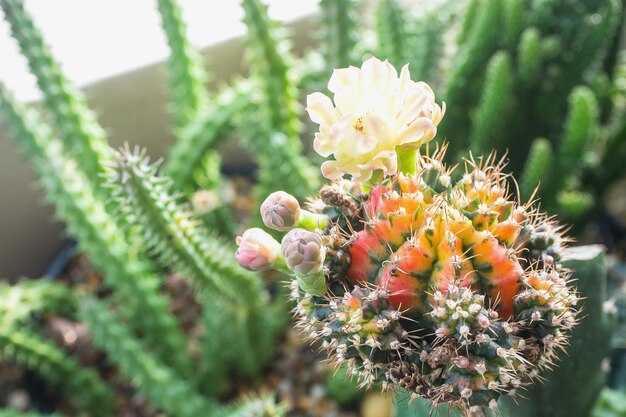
374	112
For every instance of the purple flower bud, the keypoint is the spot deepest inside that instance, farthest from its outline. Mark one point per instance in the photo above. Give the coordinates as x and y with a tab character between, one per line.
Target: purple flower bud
280	211
257	249
303	252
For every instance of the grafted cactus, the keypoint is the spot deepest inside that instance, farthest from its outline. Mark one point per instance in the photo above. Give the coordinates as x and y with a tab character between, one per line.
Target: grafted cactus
419	277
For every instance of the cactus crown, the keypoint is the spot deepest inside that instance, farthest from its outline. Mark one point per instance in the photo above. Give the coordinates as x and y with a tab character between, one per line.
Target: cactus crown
432	281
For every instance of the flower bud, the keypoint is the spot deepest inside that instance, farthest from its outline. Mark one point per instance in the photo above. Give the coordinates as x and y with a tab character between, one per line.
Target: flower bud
257	249
280	211
303	252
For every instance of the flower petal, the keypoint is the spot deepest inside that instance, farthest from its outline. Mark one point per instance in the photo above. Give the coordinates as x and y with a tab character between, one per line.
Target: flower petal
342	78
330	170
320	109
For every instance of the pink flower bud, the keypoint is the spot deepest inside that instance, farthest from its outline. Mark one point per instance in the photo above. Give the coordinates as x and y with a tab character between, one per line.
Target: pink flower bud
280	211
257	249
303	252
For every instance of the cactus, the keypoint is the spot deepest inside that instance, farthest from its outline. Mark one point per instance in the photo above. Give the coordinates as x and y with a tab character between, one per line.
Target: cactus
26	348
159	382
447	289
80	134
188	78
392	31
544	87
439	268
612	403
274	137
26	299
505	82
339	22
203	134
494	106
99	236
171	234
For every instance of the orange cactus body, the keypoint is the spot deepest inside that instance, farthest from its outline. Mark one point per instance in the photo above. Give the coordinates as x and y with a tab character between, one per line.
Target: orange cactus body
424	233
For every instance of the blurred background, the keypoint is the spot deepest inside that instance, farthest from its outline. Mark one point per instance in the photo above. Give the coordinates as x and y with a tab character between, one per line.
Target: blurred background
217	89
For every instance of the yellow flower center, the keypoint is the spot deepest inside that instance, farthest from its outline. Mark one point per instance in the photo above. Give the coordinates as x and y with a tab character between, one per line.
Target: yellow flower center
358	125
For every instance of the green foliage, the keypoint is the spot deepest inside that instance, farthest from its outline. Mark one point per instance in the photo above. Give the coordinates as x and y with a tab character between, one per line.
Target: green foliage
271	62
494	106
517	70
273	135
529	55
6	412
466	68
170	232
179	242
342	388
28	349
161	384
503	103
426	45
611	403
514	21
537	169
137	288
339	22
202	134
580	129
405	407
186	73
27	298
392	33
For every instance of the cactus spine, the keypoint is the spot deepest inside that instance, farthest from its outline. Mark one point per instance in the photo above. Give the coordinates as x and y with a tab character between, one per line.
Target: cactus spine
589	338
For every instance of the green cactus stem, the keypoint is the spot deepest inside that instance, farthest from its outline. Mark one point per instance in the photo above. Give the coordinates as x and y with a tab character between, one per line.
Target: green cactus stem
540	161
339	20
171	233
188	79
136	287
212	124
27	298
494	106
529	55
391	29
82	137
154	379
6	412
481	43
30	350
580	130
514	22
274	135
